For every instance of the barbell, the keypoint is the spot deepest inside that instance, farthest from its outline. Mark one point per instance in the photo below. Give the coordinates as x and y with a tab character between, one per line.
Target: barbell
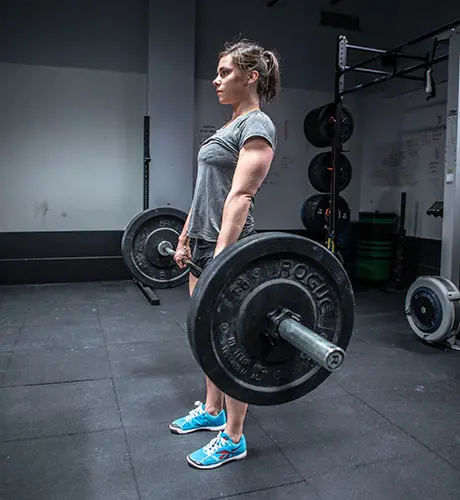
283	323
271	316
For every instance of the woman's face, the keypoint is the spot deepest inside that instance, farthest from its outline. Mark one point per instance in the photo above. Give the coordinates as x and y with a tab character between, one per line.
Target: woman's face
231	86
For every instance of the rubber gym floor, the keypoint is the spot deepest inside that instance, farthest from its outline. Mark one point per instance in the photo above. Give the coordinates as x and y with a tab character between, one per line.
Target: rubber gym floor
91	375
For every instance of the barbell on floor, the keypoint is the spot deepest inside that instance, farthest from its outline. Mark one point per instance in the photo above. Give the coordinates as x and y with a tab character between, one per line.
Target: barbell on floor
270	317
285	324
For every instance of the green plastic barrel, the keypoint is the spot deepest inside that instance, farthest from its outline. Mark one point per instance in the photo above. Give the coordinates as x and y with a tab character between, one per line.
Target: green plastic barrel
375	248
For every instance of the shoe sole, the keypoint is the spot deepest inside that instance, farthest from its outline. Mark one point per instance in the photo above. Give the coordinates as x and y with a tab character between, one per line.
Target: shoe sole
219	464
177	430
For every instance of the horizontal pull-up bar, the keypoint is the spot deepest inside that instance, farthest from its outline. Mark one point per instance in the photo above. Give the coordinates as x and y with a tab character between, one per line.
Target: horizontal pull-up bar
365	49
402	73
380	72
382	52
396	49
370	70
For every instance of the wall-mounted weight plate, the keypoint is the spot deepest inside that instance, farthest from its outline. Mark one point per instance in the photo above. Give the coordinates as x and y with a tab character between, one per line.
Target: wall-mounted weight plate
318	129
312	130
433	308
348	123
229	308
140	242
320	172
316	209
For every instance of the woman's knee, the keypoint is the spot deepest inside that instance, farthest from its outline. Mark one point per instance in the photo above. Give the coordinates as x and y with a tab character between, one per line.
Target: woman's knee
192	281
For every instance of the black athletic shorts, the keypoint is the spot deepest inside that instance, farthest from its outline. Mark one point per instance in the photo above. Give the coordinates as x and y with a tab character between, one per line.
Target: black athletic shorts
203	252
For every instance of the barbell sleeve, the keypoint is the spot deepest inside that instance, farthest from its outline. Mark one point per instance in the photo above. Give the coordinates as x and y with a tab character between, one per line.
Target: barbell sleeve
325	353
170	251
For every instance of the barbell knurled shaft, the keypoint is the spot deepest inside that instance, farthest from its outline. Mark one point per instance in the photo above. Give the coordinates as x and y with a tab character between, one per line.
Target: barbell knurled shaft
325	353
193	266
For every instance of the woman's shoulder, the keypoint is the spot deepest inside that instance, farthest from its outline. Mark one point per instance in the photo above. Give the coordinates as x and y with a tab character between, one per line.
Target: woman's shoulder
257	117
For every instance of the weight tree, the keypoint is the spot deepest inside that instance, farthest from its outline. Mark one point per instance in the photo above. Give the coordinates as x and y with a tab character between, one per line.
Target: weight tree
432	303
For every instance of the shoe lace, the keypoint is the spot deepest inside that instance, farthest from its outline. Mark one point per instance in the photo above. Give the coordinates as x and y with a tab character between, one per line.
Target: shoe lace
195	412
214	444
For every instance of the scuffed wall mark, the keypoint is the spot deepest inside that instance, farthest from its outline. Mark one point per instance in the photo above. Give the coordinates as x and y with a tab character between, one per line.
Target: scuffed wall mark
286	129
45	208
41	210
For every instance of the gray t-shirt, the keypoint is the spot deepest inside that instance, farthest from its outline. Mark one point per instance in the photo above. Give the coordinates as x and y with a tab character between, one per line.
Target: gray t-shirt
217	160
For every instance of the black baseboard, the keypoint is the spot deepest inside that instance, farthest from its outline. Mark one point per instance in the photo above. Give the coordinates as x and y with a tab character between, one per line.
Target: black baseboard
64	257
61	257
60	244
82	256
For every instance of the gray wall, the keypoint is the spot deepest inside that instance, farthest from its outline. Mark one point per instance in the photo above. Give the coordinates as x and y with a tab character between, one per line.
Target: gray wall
403	140
79	78
104	35
72	93
397	22
307	49
171	103
70	148
403	135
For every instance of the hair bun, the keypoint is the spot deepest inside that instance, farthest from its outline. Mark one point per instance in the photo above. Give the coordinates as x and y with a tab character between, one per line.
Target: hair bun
247	56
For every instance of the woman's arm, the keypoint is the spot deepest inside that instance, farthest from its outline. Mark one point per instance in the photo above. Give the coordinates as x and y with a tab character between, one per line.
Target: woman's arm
253	165
183	238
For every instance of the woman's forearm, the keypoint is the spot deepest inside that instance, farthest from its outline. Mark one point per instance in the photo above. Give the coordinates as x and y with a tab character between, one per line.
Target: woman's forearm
183	238
234	216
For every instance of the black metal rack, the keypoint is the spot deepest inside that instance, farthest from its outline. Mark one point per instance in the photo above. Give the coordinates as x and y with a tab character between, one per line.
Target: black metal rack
147	160
391	57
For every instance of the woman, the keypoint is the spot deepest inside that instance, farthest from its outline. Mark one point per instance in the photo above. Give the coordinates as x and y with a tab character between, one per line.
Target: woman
232	165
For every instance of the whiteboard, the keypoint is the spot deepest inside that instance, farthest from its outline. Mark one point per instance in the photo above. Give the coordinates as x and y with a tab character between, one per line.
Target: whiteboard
404	152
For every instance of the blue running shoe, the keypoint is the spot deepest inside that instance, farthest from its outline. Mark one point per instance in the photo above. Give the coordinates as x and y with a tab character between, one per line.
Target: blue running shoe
199	420
218	452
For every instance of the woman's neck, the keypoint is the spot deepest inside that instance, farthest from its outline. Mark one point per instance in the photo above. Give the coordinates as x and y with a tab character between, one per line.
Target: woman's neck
245	107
